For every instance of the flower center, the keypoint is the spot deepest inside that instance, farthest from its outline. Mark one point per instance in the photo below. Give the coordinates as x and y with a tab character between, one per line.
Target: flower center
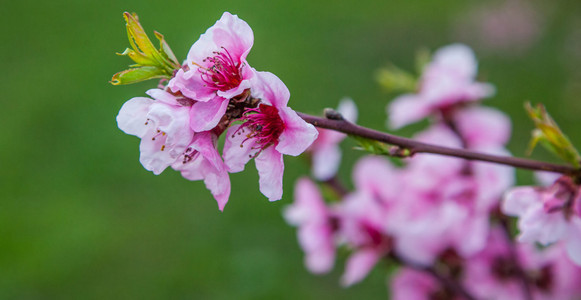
224	74
264	124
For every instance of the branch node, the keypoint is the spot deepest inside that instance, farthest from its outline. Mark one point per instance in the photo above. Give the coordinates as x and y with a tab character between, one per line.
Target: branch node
332	114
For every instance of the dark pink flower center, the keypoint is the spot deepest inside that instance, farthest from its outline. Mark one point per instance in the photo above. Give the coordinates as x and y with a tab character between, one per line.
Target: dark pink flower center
224	73
264	124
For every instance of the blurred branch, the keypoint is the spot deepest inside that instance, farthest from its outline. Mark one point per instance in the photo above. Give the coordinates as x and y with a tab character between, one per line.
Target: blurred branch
339	124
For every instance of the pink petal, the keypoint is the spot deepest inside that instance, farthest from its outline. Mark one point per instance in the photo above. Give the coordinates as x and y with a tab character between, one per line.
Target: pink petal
191	85
238	149
376	176
546	178
409	284
518	200
406	109
359	264
308	205
163	96
218	182
133	116
206	115
348	109
481	126
456	58
270	168
270	89
326	162
297	136
573	243
229	32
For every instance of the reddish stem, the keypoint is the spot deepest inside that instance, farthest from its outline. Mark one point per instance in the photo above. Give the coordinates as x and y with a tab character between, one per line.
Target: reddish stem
339	124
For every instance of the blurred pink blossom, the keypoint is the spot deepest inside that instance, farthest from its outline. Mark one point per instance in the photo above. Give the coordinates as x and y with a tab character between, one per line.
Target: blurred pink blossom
448	80
498	271
547	215
315	226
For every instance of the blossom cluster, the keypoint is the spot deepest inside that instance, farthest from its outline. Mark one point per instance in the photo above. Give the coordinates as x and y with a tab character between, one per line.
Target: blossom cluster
445	214
216	92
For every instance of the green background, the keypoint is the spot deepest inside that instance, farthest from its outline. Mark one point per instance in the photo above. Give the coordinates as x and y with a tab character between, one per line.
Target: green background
81	219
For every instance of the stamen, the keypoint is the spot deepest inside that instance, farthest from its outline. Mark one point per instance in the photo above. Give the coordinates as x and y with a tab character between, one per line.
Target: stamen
224	73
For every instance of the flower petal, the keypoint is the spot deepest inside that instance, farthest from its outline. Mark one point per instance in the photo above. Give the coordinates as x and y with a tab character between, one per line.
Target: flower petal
359	264
519	200
297	136
406	109
348	109
270	168
270	89
229	32
206	115
238	149
133	116
573	243
326	162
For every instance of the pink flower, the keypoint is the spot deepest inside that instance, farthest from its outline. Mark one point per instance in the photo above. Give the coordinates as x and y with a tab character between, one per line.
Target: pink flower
326	154
496	273
548	215
267	132
162	124
363	214
216	70
445	202
201	161
316	226
447	80
482	127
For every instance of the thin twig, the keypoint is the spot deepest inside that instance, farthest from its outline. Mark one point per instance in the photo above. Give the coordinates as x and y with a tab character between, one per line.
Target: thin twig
419	147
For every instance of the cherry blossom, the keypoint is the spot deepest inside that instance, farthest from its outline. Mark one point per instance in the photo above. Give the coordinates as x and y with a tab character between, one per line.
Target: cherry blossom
316	226
266	133
446	81
547	215
162	124
216	70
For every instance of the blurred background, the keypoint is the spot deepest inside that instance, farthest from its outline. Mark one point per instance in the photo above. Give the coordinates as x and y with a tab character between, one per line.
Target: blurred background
81	219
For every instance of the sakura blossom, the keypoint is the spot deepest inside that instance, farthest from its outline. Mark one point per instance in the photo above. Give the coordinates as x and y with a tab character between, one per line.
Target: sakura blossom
444	221
316	226
362	215
449	79
547	215
162	123
216	70
266	133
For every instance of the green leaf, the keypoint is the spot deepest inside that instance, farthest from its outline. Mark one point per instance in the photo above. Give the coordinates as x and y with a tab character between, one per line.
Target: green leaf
138	74
394	79
549	135
379	148
150	62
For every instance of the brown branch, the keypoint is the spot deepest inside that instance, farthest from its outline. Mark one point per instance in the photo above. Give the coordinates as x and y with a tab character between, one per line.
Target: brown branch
341	125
